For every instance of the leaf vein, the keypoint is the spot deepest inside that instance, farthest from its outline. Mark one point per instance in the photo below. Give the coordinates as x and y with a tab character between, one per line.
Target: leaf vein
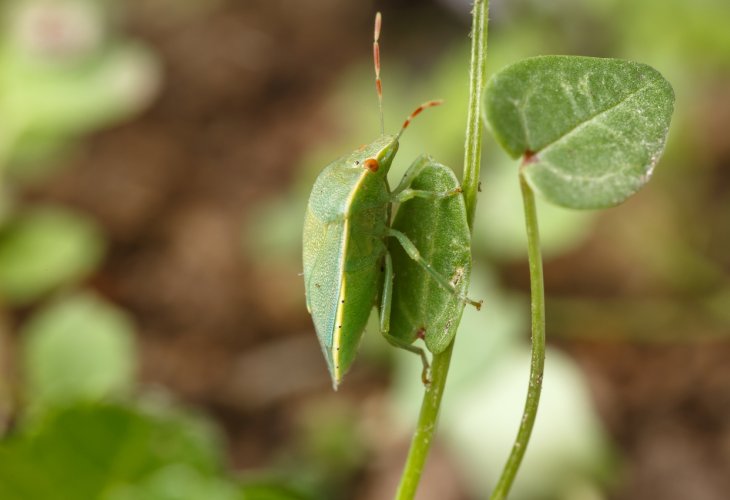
590	119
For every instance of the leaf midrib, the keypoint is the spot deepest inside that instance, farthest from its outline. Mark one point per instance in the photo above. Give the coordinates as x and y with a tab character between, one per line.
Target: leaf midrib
592	118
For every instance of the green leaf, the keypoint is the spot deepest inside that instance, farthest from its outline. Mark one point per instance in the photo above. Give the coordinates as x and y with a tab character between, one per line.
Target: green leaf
44	249
78	348
87	451
590	130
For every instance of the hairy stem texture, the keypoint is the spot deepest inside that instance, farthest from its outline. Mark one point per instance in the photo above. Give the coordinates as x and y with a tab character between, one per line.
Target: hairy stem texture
428	417
538	347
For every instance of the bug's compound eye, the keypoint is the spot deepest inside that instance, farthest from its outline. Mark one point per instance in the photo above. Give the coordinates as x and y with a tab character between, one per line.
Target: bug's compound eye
371	164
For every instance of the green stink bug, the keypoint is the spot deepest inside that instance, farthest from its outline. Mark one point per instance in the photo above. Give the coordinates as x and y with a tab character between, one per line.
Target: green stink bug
347	265
421	308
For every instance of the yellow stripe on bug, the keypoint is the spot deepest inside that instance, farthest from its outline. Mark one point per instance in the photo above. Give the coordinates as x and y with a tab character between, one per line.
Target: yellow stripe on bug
339	316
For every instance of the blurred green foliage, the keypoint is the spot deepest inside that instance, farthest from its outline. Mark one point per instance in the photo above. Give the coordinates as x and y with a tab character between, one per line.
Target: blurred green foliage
80	429
56	84
44	249
93	450
83	433
79	348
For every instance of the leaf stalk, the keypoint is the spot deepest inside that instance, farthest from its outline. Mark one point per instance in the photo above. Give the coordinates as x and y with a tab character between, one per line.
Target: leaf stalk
537	310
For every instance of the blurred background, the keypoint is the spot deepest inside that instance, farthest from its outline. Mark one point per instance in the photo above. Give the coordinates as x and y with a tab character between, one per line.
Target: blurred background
155	161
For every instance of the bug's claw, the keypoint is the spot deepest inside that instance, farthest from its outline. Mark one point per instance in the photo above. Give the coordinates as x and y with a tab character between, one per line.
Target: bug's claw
426	376
476	303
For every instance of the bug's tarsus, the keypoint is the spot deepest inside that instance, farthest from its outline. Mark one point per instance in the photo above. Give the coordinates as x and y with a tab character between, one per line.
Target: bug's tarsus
416	112
466	300
376	61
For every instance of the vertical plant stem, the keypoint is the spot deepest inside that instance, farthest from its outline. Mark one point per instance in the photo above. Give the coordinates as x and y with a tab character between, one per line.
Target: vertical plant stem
477	80
421	442
537	296
428	417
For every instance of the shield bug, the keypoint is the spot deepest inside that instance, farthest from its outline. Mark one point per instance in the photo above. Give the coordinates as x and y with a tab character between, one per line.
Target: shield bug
347	265
421	308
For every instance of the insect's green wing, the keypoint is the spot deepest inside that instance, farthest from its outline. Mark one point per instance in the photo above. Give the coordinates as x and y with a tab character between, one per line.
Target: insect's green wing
323	261
439	230
344	227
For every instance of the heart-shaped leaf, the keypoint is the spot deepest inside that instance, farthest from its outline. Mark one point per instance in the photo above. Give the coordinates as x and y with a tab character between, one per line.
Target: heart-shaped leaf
590	130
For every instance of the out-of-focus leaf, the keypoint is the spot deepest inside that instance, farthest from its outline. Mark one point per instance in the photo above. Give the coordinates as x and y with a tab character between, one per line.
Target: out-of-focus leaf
591	130
272	491
177	482
57	84
54	101
86	451
44	249
78	348
44	108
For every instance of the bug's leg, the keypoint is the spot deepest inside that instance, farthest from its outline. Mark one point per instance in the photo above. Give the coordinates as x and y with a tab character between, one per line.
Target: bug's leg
385	306
403	192
414	254
416	168
409	193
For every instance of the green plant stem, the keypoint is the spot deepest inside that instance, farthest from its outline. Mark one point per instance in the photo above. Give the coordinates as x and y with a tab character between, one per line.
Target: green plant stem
477	81
537	296
428	417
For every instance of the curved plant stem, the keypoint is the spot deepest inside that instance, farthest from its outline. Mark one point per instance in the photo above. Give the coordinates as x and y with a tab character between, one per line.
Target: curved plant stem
428	417
537	296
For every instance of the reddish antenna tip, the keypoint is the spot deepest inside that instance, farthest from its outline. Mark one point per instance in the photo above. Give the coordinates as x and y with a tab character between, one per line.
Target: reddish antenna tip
378	24
417	111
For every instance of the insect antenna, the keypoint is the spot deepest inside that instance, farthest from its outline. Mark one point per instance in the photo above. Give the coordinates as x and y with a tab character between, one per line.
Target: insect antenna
376	62
416	112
